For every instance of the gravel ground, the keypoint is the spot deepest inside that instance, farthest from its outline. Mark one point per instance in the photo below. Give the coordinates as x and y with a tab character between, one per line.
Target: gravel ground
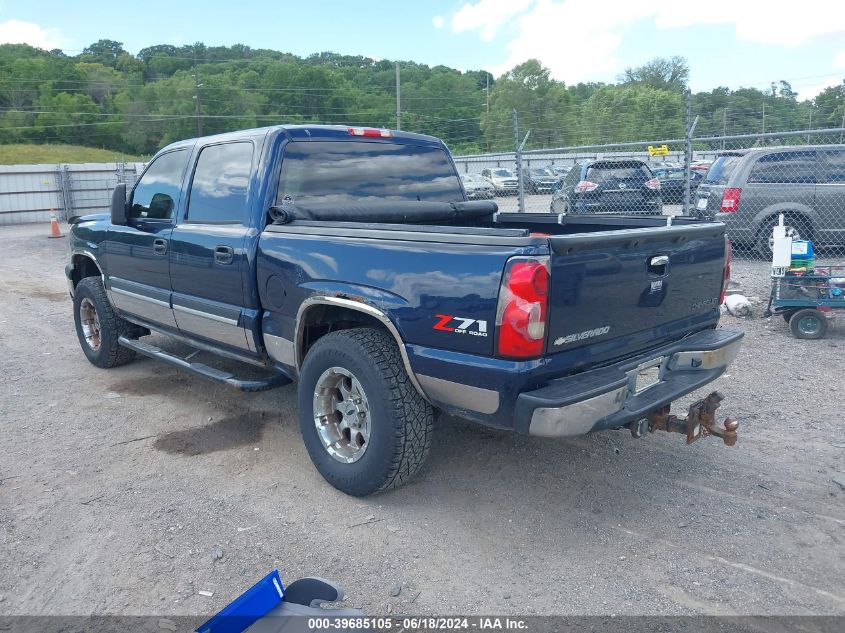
117	486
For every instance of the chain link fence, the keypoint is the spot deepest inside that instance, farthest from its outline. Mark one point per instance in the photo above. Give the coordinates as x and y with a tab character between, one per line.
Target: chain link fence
745	181
31	193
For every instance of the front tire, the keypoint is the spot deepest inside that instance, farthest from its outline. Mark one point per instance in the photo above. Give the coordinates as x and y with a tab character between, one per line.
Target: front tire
98	327
365	426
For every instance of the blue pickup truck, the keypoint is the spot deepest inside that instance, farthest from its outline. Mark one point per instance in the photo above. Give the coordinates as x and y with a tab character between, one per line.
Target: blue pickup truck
350	261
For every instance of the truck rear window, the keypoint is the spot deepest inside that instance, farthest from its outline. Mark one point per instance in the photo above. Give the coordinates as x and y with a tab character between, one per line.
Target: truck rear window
328	172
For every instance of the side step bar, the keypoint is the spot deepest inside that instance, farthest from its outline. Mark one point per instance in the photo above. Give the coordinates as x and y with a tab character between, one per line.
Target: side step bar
262	384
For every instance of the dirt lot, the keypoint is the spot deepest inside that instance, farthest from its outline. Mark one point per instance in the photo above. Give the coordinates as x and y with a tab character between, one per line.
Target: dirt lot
116	486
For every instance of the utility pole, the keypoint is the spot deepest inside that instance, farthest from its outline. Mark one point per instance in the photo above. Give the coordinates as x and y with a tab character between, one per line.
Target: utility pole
764	118
398	100
724	125
487	91
487	97
197	85
809	127
843	125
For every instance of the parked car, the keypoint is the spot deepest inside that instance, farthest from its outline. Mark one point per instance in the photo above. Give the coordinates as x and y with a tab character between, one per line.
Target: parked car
748	189
609	186
476	187
701	165
539	181
504	181
560	171
347	260
673	184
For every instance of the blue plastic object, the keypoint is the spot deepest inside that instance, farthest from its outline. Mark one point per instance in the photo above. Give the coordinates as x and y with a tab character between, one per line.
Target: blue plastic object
803	255
253	604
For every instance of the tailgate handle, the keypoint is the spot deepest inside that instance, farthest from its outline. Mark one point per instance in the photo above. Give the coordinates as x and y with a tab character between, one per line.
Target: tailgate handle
658	265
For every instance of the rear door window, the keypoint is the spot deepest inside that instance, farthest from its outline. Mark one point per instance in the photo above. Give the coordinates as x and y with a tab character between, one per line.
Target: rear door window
221	183
342	172
785	167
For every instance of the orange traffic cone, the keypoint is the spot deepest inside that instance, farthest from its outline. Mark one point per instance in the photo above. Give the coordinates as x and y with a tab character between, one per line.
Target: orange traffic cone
55	231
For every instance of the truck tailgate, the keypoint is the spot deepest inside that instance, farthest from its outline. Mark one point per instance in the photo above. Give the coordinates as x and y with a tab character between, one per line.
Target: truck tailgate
627	290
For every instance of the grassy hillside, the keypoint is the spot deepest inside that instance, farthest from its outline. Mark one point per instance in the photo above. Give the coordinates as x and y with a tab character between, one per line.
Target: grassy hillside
22	154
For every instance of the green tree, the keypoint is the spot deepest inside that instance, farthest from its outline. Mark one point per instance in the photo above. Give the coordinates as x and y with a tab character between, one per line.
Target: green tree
662	73
105	52
541	105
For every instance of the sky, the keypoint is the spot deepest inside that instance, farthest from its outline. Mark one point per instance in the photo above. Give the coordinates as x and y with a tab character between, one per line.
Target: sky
729	43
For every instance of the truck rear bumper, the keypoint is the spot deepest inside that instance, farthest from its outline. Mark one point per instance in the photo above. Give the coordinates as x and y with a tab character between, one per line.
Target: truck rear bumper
609	397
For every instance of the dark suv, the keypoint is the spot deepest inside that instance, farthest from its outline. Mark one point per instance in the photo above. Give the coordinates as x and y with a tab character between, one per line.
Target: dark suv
609	186
748	189
539	180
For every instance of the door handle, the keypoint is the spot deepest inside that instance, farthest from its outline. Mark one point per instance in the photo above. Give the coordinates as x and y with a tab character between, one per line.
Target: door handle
224	255
658	265
159	246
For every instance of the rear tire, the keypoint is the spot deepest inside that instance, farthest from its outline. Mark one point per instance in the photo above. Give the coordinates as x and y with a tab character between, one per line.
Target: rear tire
98	327
808	324
365	426
796	227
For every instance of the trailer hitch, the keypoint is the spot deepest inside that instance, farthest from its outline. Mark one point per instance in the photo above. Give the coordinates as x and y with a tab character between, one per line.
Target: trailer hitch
700	421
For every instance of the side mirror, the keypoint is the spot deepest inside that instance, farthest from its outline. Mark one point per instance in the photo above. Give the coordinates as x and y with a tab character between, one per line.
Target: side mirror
118	205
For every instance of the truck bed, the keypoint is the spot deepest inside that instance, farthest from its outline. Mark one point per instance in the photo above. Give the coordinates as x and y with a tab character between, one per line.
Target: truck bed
599	269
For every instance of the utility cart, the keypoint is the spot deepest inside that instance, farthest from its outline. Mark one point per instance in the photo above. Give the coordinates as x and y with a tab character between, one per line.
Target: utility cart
804	299
802	292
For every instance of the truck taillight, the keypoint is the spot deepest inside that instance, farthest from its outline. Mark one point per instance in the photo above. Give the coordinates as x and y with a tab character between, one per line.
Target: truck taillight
523	307
370	132
726	277
653	183
730	200
584	186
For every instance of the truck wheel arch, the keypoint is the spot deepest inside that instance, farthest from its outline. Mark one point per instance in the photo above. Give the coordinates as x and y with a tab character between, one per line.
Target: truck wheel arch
84	264
316	313
801	213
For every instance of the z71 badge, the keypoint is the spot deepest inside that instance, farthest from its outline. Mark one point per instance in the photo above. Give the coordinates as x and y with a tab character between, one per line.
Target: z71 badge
460	325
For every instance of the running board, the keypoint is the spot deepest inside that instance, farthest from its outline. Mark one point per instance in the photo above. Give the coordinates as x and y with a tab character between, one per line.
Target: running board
262	384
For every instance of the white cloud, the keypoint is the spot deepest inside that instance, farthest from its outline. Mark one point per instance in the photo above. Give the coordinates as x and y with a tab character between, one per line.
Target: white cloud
570	39
577	40
18	32
839	60
811	91
438	21
487	16
787	24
